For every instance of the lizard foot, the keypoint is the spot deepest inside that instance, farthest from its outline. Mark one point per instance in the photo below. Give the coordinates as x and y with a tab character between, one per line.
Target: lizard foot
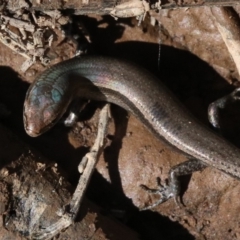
166	191
171	188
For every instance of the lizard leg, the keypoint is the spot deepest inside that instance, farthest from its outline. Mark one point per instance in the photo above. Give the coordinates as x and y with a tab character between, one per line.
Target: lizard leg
75	109
172	188
213	109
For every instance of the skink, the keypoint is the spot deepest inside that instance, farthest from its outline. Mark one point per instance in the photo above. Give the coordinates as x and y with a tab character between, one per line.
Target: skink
141	93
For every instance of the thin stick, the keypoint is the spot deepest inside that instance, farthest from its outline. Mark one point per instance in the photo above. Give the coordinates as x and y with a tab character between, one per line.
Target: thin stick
228	25
90	161
169	4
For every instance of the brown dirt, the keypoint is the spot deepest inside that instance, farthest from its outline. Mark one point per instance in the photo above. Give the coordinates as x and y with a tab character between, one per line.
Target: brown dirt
196	66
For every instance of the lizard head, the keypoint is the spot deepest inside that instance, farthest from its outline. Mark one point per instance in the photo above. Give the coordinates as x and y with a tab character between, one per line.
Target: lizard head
43	107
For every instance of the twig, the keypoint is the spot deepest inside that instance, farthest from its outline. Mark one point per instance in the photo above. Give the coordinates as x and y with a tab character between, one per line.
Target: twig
169	4
105	7
88	164
19	23
229	28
